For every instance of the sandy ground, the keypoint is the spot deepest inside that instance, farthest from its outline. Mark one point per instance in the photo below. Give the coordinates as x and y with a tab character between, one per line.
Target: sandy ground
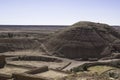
53	65
100	69
52	74
9	70
42	63
23	52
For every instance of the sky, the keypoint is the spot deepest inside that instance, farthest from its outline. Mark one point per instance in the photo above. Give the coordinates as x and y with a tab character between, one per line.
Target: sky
58	12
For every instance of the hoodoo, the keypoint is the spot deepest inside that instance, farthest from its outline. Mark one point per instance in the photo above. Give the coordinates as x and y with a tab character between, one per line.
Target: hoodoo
82	40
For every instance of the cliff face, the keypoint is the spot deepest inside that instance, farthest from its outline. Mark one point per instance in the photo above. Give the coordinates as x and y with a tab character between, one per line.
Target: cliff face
82	40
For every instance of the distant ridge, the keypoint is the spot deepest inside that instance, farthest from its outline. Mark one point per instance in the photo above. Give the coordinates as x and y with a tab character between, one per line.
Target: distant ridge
34	25
116	27
31	27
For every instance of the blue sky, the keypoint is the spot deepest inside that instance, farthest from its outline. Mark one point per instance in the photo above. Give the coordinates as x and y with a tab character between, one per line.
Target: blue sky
59	12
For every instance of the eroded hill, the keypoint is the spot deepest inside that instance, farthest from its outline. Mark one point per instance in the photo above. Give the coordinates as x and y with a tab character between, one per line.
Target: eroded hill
83	40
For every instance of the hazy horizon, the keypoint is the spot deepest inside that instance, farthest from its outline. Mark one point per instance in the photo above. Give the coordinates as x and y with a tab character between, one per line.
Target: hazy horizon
58	12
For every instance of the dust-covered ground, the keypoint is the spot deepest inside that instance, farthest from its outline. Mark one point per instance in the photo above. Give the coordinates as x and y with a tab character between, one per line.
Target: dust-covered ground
23	47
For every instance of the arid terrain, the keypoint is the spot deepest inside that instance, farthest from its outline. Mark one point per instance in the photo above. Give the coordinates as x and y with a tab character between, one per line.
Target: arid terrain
82	51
